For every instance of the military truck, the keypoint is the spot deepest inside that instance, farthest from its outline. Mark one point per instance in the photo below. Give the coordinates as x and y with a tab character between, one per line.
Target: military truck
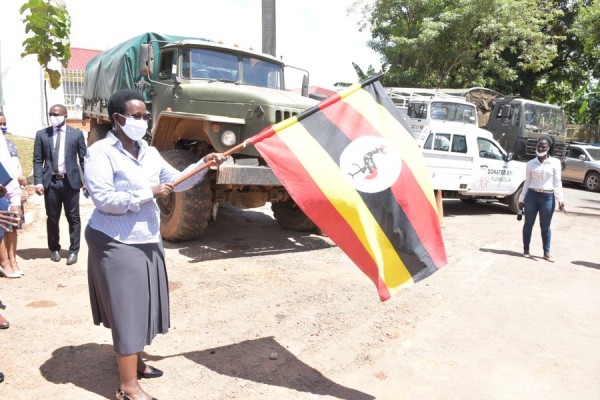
202	97
518	123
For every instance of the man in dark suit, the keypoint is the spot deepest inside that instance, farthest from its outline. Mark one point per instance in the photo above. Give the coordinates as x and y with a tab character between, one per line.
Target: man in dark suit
57	161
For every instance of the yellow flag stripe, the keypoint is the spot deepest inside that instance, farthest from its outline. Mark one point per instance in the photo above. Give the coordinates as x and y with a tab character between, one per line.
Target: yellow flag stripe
328	176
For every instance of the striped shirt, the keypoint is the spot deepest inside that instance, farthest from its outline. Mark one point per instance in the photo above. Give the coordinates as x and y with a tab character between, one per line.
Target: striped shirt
121	189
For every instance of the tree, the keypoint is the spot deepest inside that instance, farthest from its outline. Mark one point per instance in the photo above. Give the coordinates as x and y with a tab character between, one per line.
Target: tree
462	43
50	25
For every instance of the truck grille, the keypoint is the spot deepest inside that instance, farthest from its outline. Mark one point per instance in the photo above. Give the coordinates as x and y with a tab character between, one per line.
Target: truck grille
560	149
282	114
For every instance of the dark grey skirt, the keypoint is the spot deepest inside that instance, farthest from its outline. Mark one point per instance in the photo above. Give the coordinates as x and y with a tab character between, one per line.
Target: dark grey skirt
129	290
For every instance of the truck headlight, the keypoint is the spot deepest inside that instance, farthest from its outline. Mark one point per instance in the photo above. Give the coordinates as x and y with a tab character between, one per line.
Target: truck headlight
228	138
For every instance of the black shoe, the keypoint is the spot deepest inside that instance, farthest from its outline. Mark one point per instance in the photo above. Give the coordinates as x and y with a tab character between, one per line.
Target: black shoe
154	373
72	258
55	256
1	377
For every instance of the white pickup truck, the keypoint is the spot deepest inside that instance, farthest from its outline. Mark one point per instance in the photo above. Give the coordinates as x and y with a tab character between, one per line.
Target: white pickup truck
466	162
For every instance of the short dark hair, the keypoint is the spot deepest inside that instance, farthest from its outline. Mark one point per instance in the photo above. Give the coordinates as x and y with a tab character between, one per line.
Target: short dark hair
116	103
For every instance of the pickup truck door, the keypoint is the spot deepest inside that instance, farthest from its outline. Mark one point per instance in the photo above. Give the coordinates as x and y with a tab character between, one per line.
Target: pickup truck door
493	175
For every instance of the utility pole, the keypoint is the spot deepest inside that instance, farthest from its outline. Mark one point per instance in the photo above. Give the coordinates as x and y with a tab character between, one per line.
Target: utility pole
269	33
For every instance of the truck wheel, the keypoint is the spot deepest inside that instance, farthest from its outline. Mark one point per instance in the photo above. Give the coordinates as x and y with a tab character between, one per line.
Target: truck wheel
290	216
513	201
184	215
592	182
97	132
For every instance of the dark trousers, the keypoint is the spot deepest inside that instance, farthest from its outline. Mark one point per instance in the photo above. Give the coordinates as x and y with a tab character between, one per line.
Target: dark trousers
58	195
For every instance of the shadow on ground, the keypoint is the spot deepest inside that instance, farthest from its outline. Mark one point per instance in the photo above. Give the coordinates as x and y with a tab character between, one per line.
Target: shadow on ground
89	366
247	233
260	360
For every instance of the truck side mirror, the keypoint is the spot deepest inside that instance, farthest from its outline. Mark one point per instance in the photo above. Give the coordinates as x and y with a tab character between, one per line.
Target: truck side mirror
146	65
305	86
508	157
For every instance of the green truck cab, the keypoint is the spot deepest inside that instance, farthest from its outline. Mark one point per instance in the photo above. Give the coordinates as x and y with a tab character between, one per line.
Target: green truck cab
202	97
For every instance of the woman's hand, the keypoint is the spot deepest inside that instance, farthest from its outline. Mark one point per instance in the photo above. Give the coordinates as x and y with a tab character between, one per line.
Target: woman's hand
162	190
215	159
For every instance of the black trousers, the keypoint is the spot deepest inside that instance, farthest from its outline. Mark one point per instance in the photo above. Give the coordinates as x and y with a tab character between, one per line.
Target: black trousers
58	195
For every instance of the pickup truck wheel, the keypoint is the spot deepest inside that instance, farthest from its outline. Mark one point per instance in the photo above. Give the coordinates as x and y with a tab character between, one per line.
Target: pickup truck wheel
592	182
513	201
97	132
290	216
184	215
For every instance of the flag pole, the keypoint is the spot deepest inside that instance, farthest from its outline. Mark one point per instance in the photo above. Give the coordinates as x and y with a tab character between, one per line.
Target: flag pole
193	172
270	131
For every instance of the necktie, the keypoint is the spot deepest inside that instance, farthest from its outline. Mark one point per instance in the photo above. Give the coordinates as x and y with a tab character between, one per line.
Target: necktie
56	151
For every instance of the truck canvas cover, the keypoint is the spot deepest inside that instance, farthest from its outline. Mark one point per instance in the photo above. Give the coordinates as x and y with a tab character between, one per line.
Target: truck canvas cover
117	68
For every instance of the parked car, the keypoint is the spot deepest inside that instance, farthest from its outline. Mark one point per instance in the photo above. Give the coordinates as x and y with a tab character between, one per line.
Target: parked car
583	166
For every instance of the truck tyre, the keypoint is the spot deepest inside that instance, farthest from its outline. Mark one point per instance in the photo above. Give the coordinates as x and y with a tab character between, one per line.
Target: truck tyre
184	215
513	200
592	182
290	216
97	132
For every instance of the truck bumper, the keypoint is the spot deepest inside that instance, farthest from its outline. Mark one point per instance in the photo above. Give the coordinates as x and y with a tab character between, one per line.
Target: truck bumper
244	175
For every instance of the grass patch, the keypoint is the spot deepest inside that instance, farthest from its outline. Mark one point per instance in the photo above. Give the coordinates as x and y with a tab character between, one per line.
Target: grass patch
25	147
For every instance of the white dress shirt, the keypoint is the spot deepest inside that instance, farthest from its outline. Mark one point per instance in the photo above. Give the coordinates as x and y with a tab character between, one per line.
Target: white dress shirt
543	176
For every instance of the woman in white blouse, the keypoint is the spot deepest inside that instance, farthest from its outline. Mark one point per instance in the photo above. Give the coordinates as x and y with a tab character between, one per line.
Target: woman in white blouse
541	190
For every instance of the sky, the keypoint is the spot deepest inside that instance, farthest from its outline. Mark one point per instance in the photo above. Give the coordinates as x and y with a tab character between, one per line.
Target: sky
316	35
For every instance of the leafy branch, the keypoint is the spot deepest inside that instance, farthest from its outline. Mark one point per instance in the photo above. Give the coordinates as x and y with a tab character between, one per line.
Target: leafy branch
50	26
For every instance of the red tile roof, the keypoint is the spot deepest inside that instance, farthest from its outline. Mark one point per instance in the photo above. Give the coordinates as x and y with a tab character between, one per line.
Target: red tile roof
80	57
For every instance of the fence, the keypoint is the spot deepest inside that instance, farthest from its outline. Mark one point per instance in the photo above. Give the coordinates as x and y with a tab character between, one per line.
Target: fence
584	133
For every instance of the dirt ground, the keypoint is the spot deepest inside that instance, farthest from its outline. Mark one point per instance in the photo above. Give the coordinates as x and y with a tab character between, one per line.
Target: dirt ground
259	312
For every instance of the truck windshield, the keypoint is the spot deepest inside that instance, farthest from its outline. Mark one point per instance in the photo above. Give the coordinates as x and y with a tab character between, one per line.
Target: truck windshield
210	64
540	116
453	112
263	73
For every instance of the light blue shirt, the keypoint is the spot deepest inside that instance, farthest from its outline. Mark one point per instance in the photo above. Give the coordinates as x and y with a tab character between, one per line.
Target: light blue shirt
121	188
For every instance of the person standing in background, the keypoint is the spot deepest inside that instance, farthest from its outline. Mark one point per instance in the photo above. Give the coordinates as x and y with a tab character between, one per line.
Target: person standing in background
57	161
8	246
541	190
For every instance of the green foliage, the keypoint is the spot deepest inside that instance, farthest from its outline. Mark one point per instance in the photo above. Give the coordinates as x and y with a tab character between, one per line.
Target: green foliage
50	27
462	43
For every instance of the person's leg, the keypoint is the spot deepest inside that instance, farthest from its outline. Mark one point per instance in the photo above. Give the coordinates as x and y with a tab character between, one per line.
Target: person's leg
71	205
10	243
531	210
546	212
53	203
128	382
4	261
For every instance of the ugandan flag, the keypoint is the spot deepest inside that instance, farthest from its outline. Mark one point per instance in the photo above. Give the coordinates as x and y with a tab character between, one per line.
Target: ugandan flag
357	173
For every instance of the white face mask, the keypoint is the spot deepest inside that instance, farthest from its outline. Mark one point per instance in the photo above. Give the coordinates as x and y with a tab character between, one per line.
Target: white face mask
56	120
541	153
135	129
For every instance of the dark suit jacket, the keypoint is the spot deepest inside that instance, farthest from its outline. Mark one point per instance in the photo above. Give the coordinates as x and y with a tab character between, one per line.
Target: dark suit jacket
75	151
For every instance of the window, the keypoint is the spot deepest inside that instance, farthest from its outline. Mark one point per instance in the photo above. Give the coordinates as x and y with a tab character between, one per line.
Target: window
441	141
575	152
263	73
459	144
417	110
488	149
167	60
